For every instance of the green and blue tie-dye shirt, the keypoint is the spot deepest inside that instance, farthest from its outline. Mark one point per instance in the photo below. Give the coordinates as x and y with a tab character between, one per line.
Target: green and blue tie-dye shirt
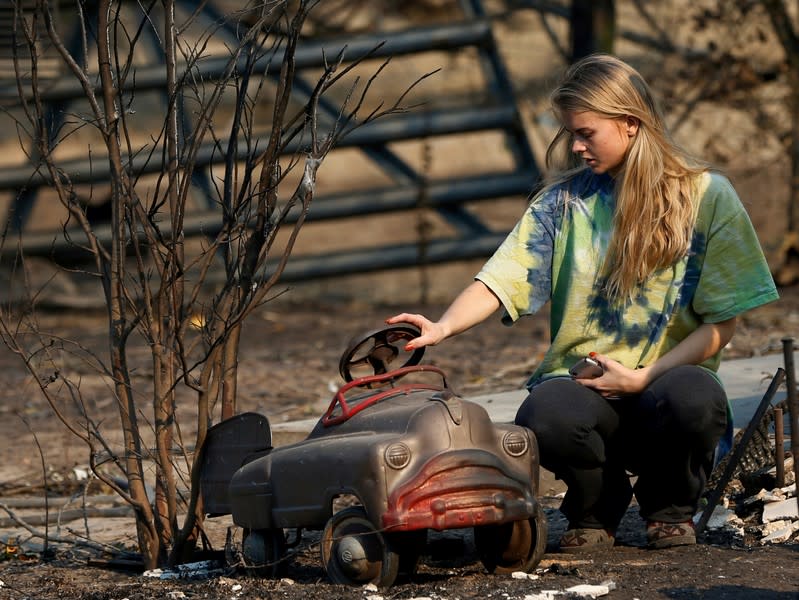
557	249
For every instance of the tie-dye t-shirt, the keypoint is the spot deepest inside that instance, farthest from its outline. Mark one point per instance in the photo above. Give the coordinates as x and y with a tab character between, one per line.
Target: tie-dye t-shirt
558	247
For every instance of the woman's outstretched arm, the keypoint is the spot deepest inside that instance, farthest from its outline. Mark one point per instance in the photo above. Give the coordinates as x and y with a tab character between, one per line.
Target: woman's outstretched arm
472	306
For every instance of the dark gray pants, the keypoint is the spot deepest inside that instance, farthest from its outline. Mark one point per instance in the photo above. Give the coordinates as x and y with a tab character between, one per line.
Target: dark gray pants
666	436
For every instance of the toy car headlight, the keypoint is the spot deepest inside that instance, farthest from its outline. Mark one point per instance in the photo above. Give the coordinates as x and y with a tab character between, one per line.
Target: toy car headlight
514	443
398	456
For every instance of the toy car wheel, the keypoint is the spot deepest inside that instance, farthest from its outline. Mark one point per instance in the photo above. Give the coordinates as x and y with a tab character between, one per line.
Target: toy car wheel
355	553
515	546
263	551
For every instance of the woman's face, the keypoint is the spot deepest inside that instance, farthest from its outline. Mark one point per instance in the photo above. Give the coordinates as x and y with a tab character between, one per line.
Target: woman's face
601	142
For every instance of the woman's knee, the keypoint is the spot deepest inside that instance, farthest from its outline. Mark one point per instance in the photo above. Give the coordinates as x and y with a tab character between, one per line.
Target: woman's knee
557	404
569	422
689	399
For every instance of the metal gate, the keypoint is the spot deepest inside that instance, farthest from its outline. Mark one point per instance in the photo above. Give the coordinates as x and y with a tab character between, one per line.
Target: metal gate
497	112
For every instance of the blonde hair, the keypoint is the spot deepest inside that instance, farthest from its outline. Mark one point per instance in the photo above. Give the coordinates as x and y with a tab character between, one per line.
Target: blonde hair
655	214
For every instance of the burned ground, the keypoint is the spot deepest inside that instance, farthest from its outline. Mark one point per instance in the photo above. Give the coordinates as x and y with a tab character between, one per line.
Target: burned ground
290	377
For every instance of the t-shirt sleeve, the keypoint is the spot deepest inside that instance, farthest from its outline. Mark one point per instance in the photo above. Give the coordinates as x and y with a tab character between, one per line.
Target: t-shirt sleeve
734	275
520	271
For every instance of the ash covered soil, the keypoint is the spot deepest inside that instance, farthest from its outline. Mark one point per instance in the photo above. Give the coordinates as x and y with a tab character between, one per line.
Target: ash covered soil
289	367
703	571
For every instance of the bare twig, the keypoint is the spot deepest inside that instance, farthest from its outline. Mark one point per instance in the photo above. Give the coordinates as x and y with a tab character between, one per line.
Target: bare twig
44	478
65	516
15	519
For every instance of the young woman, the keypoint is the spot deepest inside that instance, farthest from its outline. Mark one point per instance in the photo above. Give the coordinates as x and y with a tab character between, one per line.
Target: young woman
647	257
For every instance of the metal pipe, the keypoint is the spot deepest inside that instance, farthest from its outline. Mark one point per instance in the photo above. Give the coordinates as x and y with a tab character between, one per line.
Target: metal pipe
779	447
438	194
311	54
793	404
301	268
373	201
399	127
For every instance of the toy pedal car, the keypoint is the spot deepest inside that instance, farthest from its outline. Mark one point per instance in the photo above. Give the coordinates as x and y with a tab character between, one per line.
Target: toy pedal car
414	455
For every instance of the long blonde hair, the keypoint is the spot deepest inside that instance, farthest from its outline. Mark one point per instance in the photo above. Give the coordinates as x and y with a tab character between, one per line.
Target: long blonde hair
654	215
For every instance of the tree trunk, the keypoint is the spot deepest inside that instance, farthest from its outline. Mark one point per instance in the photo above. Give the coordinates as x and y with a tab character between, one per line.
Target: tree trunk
230	371
783	26
593	27
145	527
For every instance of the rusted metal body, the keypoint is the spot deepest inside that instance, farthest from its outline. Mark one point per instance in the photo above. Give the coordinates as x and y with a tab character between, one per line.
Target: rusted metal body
410	463
413	456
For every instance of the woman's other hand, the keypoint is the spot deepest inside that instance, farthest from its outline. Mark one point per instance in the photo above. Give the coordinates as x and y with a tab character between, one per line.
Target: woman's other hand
702	343
617	380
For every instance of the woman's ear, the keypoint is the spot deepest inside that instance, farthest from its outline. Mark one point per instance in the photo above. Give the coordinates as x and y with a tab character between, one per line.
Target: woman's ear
631	125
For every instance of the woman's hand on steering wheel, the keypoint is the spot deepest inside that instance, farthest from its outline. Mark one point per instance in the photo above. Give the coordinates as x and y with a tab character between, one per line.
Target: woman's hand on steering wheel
432	332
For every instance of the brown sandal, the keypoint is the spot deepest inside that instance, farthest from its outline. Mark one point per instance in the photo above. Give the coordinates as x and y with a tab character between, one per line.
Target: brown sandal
666	535
576	541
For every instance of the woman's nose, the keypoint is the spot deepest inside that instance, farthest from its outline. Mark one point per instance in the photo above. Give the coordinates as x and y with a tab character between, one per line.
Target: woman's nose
578	146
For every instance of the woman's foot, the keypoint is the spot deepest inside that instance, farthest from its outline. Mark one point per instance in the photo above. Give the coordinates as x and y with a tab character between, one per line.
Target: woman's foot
666	535
578	540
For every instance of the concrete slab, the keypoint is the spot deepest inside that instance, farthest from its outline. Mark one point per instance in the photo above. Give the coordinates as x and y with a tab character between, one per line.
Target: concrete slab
746	381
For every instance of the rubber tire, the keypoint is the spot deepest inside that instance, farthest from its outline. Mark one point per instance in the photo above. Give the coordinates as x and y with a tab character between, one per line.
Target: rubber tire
264	551
350	533
514	546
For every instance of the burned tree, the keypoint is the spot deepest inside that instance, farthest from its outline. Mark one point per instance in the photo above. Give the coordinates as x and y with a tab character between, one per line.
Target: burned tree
185	303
